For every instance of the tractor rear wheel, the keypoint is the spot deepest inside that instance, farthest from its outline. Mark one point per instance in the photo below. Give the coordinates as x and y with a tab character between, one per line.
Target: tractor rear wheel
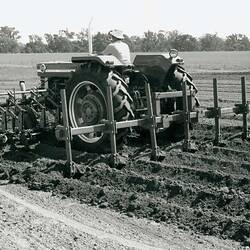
87	105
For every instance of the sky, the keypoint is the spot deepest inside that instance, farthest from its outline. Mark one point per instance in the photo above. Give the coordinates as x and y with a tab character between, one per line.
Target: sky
134	17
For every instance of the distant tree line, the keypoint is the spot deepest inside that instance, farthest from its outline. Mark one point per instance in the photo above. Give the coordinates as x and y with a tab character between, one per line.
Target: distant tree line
66	41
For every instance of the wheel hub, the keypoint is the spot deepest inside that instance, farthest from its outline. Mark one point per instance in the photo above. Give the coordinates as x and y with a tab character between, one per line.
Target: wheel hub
87	107
91	110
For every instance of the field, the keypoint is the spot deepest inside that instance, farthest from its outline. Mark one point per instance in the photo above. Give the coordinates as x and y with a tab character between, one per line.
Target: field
15	67
203	193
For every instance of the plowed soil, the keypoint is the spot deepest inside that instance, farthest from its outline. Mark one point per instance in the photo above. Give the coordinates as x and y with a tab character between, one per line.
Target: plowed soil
207	192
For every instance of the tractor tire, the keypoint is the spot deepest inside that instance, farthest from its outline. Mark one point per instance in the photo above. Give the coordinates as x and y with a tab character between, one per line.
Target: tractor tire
87	105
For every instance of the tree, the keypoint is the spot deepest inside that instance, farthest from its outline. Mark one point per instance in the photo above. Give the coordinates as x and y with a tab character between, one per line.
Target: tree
237	42
100	41
66	33
35	45
163	43
172	37
9	37
67	41
9	32
81	43
211	42
185	42
58	43
136	44
149	42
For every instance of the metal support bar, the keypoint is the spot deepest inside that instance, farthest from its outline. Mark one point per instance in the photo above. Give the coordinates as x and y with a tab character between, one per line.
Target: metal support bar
34	111
189	100
67	132
43	118
14	117
43	82
4	119
217	138
156	102
38	103
152	127
17	106
22	92
213	112
163	95
245	106
4	122
112	126
58	115
33	92
20	121
163	121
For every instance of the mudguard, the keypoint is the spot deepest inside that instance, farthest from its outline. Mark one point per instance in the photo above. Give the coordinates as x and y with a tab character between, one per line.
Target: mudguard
105	60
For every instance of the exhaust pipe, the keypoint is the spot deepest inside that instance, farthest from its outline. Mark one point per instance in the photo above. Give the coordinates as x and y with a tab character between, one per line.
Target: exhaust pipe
22	86
90	42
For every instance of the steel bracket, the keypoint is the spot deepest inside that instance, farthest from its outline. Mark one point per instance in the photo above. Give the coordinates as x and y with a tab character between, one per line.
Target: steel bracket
214	112
61	133
196	118
165	121
242	108
110	126
150	122
186	116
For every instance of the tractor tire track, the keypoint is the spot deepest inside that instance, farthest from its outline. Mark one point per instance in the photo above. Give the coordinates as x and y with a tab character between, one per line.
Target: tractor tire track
100	235
27	224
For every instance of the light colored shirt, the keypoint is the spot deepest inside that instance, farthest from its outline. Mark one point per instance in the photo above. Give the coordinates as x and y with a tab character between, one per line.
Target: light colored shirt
120	50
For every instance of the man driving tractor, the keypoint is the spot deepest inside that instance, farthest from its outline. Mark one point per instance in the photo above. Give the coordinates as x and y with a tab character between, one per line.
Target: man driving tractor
118	48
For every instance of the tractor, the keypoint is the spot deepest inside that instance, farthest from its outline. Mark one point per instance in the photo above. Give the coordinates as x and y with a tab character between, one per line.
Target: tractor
27	114
85	80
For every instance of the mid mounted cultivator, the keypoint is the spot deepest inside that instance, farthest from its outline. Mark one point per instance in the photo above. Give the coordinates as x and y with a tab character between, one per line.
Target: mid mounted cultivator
93	100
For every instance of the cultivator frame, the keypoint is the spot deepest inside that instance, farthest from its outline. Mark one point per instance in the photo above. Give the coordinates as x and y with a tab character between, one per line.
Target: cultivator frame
13	109
217	112
12	115
154	120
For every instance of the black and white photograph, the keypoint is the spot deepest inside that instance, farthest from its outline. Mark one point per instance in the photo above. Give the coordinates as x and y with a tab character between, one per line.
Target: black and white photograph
124	125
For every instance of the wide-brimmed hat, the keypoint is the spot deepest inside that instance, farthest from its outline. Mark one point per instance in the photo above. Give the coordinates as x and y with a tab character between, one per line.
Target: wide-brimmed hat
117	34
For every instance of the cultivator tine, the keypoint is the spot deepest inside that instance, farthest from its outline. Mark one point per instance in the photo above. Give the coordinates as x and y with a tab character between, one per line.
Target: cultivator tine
14	118
152	125
67	134
217	138
58	111
217	112
112	125
19	117
34	96
245	108
186	144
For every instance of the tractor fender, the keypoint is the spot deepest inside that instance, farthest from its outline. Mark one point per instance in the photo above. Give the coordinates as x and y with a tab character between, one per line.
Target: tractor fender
105	60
